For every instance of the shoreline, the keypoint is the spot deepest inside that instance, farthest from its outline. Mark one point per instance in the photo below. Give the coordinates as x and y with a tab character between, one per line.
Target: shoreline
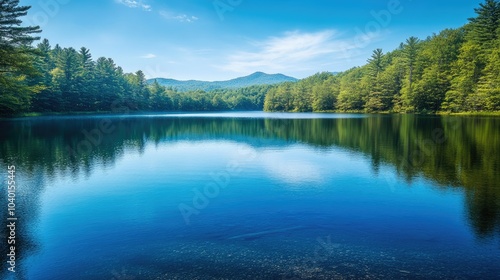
97	113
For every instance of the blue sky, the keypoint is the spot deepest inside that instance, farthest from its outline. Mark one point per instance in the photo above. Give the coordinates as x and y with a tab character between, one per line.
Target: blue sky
224	39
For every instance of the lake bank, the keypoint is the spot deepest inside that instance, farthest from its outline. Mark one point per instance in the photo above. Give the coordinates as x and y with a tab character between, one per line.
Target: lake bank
97	113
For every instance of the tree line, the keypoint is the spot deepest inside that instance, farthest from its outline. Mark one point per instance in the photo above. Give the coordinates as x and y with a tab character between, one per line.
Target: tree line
457	70
72	81
43	78
69	80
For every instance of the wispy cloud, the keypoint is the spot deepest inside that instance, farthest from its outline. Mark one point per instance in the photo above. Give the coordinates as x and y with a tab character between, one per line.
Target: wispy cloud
135	4
178	17
296	50
149	56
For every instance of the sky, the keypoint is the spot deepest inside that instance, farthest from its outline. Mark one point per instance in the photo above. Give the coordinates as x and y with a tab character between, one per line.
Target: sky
216	40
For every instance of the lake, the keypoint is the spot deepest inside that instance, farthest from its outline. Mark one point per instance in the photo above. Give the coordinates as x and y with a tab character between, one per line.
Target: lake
253	196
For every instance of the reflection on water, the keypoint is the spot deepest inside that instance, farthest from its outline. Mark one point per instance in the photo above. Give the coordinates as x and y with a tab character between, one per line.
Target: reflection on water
453	153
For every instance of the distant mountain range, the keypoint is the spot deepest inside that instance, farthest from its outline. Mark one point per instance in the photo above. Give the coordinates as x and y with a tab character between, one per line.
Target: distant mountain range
257	78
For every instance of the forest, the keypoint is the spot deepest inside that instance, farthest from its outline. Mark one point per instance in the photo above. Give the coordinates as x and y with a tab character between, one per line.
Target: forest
457	70
67	80
49	79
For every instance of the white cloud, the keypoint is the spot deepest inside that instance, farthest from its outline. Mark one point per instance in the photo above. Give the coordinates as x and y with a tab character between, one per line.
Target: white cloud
135	4
178	17
297	50
149	56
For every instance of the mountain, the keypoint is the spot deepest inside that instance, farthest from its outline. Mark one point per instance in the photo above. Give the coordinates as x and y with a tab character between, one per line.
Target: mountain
257	78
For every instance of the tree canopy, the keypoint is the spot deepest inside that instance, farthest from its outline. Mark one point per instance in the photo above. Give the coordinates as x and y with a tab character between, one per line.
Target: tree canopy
16	58
457	70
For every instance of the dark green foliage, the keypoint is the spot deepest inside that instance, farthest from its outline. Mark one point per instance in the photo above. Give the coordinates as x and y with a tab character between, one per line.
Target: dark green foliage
484	27
73	82
67	80
475	79
318	92
11	33
16	58
453	71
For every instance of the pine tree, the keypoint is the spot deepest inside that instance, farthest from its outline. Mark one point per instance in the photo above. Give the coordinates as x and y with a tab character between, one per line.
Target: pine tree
44	101
474	76
489	84
16	65
410	50
376	66
484	26
12	34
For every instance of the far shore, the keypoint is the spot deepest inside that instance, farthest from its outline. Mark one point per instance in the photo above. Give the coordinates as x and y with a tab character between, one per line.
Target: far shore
96	113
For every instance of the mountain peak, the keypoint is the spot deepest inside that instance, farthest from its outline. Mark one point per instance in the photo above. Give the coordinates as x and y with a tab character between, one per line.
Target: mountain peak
257	78
258	73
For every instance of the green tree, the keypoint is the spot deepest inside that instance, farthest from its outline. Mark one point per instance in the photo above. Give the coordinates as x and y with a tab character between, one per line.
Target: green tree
301	95
354	87
43	101
484	27
159	99
16	55
88	90
489	84
466	74
325	94
391	80
111	81
410	51
436	59
473	87
65	76
375	101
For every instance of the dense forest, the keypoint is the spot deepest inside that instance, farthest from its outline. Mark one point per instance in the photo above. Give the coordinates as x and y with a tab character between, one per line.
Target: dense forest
71	80
457	70
43	78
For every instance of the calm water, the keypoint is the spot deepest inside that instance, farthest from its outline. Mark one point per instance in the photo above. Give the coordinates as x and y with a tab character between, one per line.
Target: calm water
254	196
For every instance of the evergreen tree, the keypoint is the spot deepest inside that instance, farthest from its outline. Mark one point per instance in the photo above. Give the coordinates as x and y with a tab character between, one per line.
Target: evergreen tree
16	56
375	102
473	87
410	51
489	84
43	101
484	26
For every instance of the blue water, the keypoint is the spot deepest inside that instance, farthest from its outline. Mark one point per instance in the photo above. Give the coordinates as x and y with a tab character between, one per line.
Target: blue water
227	205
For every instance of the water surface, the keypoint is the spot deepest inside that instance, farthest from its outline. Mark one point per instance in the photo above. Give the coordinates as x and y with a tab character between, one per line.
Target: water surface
255	196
